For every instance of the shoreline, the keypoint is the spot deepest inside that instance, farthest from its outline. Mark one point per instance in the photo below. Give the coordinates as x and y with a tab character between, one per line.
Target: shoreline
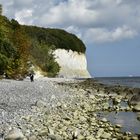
68	111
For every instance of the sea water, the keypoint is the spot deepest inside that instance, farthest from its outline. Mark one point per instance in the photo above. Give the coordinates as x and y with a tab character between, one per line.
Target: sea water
123	81
128	120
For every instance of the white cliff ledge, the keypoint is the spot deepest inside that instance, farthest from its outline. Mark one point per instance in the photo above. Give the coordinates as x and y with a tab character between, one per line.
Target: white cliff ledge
73	64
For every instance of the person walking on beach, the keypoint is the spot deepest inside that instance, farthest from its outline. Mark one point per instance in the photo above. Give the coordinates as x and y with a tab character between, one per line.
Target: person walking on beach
31	77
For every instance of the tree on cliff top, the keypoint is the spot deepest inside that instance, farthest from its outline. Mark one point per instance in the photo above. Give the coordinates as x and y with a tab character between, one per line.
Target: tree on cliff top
0	9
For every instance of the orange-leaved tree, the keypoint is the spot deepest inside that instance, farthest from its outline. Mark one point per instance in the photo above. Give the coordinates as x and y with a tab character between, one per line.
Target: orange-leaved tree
22	44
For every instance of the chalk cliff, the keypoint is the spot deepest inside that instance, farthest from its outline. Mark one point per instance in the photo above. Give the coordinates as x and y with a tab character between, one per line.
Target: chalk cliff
72	64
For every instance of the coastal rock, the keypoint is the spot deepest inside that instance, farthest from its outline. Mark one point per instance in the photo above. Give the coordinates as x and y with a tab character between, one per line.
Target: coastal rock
33	137
52	137
137	107
106	135
104	120
40	104
116	100
80	137
129	96
90	138
51	131
110	128
135	99
92	97
100	132
138	116
15	134
106	105
135	138
59	104
118	126
43	132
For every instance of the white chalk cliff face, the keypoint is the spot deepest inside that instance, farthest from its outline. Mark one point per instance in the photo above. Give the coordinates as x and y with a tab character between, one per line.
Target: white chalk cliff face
73	64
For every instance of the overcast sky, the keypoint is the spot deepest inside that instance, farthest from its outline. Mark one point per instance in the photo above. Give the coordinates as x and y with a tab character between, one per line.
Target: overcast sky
109	28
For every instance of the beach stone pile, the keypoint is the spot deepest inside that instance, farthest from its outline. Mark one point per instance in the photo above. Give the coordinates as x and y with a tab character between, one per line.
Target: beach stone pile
74	117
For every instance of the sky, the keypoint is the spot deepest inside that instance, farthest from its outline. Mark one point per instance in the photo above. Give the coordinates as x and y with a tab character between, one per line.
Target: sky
110	29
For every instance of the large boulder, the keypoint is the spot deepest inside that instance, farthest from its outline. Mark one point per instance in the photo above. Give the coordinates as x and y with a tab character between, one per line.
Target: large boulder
135	99
137	107
135	102
15	134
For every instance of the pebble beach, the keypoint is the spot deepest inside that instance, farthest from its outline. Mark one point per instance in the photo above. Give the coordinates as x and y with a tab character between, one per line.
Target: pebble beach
62	109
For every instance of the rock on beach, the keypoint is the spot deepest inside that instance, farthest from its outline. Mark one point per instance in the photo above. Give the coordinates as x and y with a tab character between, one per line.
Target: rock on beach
15	134
56	109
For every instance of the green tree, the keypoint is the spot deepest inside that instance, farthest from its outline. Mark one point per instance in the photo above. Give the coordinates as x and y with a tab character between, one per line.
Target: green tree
3	63
0	9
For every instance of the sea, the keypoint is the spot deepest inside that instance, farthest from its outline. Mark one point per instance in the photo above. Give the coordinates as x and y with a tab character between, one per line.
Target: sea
121	117
133	82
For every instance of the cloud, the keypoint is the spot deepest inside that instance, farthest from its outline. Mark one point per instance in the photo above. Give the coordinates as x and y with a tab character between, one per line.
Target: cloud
22	3
101	35
102	20
24	16
69	13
